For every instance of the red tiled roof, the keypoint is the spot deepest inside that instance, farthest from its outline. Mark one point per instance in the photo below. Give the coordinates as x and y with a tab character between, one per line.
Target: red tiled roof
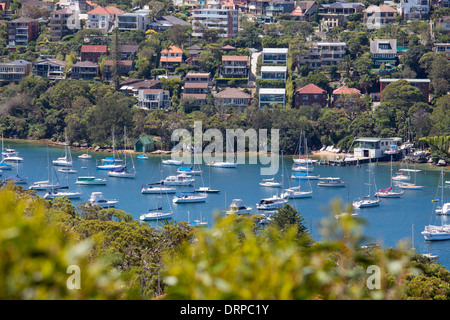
172	49
166	59
114	10
346	90
99	10
311	88
120	62
90	48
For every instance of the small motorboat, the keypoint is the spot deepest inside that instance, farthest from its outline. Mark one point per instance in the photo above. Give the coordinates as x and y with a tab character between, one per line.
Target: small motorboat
98	199
189	198
142	156
90	180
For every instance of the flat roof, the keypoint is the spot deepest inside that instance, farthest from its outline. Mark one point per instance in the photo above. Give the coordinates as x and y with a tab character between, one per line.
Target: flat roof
275	50
272	91
409	80
273	68
371	139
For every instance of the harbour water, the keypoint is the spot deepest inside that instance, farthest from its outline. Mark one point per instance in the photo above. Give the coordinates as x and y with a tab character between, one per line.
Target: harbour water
398	219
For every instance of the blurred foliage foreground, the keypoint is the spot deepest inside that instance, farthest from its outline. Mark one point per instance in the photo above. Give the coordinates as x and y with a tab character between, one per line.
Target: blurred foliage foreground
44	245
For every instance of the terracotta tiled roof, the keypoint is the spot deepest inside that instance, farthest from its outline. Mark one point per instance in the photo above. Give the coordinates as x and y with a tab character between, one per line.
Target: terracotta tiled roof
234	58
114	10
120	62
166	59
231	93
346	90
99	10
172	49
311	88
90	48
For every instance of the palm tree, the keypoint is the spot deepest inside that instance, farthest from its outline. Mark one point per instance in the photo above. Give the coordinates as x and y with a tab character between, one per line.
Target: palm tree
441	143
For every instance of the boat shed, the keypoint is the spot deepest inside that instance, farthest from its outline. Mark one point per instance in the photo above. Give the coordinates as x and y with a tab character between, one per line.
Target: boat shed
374	148
144	144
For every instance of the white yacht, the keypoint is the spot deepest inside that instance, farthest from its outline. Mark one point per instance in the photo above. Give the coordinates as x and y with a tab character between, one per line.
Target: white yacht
237	207
432	232
304	176
98	199
296	193
189	171
331	182
178	180
271	183
171	162
189	198
157	188
223	164
43	185
275	202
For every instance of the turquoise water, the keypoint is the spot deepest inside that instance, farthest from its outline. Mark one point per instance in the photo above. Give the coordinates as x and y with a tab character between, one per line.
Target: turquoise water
393	221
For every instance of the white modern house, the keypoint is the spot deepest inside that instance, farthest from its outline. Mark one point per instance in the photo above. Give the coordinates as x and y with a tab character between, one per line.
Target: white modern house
373	147
153	99
132	21
271	96
274	55
274	73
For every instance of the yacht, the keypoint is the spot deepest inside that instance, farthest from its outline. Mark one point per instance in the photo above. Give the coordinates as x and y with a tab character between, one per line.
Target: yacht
275	202
98	199
122	172
295	193
432	232
68	194
389	193
331	182
207	190
270	183
304	176
171	162
237	207
189	170
12	158
178	180
366	203
223	164
157	188
67	170
189	198
90	180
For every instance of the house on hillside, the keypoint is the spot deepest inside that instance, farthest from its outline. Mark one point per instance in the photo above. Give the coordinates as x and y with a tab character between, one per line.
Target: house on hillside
305	10
171	57
309	95
93	53
233	97
336	100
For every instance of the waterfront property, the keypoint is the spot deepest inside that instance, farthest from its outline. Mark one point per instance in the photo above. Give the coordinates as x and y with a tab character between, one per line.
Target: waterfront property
271	96
274	55
374	148
309	95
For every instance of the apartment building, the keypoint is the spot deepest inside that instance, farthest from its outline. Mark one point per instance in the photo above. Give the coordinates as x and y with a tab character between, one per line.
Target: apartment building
14	71
223	20
234	67
61	23
323	54
132	21
22	31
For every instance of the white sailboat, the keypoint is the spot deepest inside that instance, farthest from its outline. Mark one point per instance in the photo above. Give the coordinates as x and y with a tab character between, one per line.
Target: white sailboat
271	183
207	189
296	192
223	164
178	180
110	163
45	185
411	186
367	201
443	208
442	231
389	192
85	156
124	171
55	193
65	161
